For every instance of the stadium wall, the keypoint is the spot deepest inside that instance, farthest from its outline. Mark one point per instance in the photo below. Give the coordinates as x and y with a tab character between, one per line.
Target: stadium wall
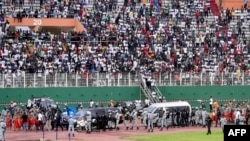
80	94
105	94
193	93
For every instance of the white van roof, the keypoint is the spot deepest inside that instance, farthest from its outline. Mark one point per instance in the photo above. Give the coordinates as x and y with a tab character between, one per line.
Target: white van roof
175	104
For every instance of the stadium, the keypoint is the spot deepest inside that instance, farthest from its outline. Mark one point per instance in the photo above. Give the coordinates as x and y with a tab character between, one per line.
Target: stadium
114	51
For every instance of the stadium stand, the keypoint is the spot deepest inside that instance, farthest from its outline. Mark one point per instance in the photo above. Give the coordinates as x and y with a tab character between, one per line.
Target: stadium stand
153	37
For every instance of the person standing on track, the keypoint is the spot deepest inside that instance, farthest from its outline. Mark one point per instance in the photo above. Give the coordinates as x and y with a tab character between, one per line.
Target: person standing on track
58	119
126	118
71	128
110	120
151	117
164	119
88	125
117	119
218	116
144	118
25	121
40	118
209	124
204	116
2	130
134	119
223	121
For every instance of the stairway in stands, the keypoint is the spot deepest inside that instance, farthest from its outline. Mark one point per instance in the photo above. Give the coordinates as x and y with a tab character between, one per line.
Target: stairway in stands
153	94
214	8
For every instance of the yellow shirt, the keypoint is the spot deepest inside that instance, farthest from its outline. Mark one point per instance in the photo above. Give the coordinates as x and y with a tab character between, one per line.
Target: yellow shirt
233	13
238	73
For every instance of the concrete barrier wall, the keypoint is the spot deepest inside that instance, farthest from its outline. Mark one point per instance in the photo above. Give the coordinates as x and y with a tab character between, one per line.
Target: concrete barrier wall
70	95
193	93
204	92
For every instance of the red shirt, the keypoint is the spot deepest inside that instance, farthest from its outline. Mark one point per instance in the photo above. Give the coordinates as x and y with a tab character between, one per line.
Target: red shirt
153	20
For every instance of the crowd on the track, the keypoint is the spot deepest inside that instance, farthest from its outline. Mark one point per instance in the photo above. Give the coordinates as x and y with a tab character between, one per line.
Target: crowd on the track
35	117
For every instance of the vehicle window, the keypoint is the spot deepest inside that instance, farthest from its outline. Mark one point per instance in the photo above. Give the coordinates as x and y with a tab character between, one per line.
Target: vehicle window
150	109
157	110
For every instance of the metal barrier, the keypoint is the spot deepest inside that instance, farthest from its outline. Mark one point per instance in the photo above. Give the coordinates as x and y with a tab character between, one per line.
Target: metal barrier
33	80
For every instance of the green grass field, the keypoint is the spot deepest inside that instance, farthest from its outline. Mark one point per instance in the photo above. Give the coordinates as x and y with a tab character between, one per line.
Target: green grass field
187	136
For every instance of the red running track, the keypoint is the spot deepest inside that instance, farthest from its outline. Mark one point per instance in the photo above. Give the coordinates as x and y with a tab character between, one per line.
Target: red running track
94	136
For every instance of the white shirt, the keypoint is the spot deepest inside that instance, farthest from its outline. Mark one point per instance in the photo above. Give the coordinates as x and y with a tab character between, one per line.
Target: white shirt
211	101
146	101
29	103
237	114
40	117
91	103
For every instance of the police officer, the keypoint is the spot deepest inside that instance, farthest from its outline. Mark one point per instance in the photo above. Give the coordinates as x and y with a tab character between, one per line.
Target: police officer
192	120
65	113
119	107
204	116
104	121
4	113
197	116
151	117
223	121
109	119
58	120
173	118
134	119
71	128
88	125
178	116
126	118
183	118
186	119
167	118
164	119
117	118
160	114
145	117
2	129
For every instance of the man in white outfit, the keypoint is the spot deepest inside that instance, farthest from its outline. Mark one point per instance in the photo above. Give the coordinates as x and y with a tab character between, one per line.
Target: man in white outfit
237	117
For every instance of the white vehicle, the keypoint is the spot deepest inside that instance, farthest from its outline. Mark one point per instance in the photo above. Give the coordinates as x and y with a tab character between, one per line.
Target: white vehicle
154	108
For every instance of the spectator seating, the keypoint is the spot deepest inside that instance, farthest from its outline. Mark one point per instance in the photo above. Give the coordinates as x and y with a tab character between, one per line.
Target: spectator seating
174	36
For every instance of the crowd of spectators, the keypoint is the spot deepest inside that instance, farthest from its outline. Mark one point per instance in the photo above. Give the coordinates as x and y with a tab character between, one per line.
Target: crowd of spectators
174	36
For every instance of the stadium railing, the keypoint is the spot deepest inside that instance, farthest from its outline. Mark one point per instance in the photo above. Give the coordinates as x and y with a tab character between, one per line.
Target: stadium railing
77	79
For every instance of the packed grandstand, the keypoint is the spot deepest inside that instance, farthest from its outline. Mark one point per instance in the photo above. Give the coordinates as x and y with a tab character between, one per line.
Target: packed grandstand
156	37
